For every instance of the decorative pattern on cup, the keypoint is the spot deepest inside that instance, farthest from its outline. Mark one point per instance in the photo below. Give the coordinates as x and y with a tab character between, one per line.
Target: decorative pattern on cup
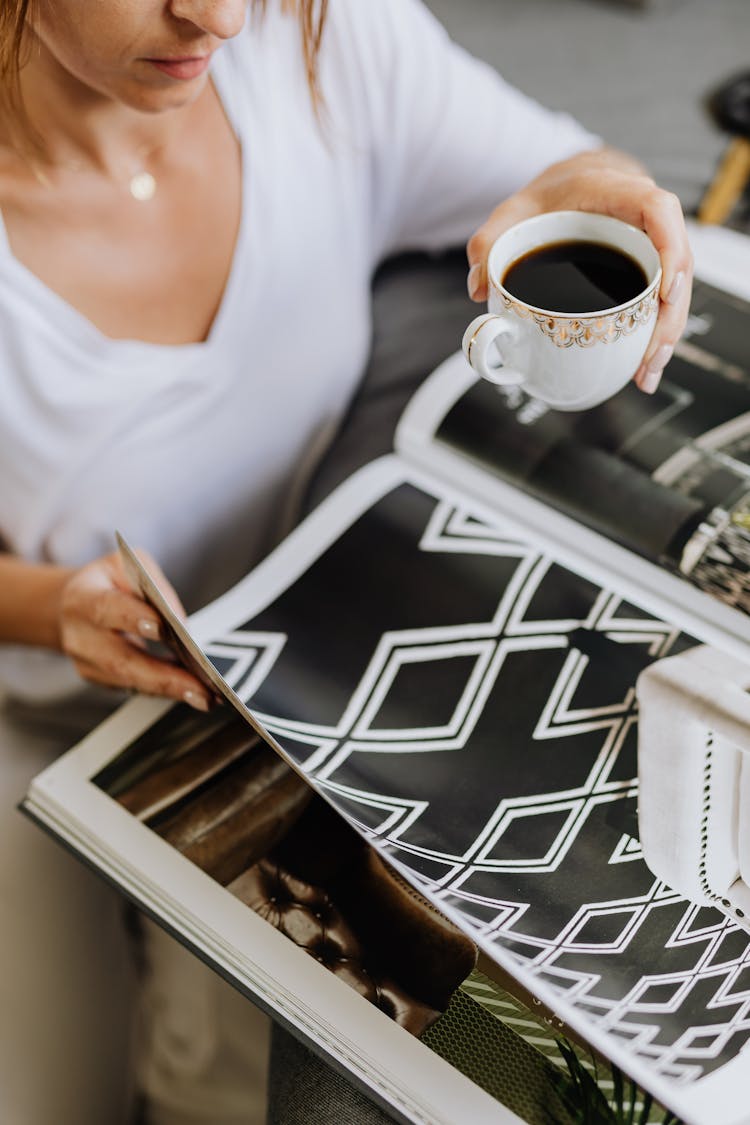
585	331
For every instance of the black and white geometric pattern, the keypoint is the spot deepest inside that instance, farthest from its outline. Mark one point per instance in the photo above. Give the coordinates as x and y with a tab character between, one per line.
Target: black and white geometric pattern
473	713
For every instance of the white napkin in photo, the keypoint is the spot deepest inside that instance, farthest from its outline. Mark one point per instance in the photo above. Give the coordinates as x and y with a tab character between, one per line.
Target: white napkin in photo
694	777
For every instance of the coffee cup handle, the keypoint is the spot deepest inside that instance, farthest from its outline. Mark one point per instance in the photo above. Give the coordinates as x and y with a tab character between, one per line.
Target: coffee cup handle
482	333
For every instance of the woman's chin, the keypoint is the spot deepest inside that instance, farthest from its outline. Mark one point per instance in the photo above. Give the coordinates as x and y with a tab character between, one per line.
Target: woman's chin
152	97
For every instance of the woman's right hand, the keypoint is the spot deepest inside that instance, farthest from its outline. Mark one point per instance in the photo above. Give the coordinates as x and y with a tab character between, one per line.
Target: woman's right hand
103	626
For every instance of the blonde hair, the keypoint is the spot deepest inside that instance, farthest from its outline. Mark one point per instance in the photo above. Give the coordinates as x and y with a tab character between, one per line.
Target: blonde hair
311	15
14	14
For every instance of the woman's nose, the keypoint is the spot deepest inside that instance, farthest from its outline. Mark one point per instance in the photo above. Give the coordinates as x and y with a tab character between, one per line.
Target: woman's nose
221	18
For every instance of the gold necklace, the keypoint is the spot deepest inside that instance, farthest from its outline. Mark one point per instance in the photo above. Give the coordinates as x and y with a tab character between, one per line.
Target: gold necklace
141	185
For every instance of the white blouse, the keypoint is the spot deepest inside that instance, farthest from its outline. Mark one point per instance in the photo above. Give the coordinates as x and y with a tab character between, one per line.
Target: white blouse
199	452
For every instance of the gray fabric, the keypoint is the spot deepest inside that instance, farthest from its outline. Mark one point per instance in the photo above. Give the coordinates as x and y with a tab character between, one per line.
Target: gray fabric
303	1089
420	310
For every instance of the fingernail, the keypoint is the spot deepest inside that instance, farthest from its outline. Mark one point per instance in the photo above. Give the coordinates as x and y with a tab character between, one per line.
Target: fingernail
149	629
675	289
659	359
195	700
649	381
472	281
649	373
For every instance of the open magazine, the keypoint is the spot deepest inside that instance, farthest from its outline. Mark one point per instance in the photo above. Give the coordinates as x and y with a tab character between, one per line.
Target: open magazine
446	650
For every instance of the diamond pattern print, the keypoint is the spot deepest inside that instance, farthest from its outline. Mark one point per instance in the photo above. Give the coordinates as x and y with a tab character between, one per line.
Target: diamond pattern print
516	806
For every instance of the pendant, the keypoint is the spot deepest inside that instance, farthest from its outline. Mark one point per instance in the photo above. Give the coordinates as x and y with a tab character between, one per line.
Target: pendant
142	186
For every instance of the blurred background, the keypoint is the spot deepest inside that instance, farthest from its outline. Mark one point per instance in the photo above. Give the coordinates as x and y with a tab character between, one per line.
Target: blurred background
636	73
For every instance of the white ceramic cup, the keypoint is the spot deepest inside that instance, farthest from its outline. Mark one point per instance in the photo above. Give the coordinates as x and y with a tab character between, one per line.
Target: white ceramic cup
568	360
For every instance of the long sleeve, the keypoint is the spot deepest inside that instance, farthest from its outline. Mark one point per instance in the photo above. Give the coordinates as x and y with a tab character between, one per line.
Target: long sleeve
450	139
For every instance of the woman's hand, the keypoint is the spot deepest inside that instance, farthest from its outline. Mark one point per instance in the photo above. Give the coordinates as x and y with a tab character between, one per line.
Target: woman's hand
102	627
613	184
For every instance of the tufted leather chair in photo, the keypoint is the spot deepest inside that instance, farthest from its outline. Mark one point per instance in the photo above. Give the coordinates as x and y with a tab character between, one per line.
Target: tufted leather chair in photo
230	804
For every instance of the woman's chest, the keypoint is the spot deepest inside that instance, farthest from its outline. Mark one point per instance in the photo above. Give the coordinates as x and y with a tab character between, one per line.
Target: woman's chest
134	277
149	266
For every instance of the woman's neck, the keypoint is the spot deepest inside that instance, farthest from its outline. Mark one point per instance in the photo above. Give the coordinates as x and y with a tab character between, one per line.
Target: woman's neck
79	125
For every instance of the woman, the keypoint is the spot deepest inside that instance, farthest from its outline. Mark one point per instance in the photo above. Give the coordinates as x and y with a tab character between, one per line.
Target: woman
193	207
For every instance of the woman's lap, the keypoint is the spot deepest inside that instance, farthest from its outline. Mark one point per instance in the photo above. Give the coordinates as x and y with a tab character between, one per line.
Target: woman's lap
66	973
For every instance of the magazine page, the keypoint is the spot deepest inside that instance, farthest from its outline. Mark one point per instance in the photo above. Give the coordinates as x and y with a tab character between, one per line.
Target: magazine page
465	699
664	477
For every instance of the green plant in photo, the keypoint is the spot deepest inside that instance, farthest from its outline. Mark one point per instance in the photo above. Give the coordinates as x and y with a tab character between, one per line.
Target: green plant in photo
586	1103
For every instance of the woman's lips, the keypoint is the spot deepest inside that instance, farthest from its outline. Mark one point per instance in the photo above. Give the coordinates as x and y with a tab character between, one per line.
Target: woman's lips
183	69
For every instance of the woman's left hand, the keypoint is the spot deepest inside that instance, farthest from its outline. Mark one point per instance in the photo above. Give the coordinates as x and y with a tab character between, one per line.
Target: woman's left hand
611	183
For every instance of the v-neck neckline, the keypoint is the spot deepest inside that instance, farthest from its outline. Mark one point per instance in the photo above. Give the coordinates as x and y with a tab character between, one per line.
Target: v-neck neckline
79	328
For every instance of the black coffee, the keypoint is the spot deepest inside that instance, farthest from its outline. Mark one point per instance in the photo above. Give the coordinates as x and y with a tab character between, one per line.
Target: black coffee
575	277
